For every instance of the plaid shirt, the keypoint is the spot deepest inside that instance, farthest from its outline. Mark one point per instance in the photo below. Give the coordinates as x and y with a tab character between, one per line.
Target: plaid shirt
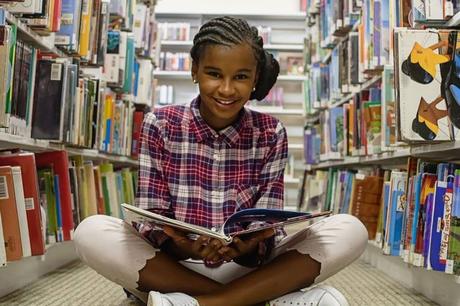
192	173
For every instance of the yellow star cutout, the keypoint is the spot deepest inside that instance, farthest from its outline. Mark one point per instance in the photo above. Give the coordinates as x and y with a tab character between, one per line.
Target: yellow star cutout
427	58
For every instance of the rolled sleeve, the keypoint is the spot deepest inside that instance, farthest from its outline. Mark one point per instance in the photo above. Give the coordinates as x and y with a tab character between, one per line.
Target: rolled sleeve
153	191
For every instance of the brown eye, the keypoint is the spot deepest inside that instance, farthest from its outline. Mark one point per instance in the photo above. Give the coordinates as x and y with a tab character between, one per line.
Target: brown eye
213	74
241	77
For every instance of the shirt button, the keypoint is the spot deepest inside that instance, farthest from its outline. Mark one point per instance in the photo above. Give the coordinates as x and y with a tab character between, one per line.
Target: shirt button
216	156
213	229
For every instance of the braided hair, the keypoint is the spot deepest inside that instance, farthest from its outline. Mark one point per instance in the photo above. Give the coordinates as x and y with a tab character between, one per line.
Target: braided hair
231	31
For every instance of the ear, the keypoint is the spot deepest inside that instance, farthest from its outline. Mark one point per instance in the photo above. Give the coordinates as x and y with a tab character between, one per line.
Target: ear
256	79
194	70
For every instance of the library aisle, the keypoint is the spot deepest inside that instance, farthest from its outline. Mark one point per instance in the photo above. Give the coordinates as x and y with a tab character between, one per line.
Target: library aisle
77	284
368	92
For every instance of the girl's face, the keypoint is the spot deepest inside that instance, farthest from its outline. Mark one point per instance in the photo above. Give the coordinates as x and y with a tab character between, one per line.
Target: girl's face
226	77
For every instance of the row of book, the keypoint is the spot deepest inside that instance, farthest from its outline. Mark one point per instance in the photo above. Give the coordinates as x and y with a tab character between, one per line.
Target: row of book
364	125
333	19
177	31
175	61
80	27
411	102
86	112
44	196
412	212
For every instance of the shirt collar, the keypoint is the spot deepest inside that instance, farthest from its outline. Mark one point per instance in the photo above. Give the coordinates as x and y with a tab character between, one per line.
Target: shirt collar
203	131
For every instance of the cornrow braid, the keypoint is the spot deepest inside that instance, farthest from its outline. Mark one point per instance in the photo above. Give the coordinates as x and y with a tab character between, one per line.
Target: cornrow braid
231	31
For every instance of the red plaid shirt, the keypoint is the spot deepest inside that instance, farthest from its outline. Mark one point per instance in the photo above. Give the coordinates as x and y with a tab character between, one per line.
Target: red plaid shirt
192	173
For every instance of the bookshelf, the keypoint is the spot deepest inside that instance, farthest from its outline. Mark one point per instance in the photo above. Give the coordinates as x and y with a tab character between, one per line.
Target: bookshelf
96	131
361	103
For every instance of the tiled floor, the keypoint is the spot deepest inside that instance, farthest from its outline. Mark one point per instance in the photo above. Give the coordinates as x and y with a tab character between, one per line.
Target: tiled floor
77	284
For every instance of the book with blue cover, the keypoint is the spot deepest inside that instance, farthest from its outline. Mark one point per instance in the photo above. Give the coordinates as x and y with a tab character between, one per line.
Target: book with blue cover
68	35
237	224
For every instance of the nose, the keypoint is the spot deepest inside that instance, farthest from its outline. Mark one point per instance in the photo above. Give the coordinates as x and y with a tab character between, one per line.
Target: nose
226	88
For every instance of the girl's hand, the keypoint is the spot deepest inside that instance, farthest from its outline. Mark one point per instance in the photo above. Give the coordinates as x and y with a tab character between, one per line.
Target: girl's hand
249	244
203	248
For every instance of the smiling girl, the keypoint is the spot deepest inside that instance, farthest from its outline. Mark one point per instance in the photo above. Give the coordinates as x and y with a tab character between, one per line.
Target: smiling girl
200	164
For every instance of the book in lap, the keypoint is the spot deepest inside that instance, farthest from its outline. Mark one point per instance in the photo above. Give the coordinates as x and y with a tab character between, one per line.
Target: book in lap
264	218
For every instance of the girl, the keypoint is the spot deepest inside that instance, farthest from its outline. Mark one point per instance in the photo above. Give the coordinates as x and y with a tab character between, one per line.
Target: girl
199	164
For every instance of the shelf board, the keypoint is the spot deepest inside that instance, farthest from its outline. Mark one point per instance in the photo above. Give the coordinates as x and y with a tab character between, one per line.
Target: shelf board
397	157
187	75
440	287
173	74
187	44
284	47
441	151
350	95
276	110
295	146
176	43
38	145
291	180
296	78
292	16
28	35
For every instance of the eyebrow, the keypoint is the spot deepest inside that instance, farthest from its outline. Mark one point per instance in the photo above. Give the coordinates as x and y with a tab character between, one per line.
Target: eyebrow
241	70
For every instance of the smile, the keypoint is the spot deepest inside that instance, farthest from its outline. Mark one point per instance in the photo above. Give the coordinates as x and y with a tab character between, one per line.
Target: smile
225	102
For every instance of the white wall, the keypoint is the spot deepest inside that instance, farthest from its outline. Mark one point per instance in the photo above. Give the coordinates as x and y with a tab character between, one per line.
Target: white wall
229	6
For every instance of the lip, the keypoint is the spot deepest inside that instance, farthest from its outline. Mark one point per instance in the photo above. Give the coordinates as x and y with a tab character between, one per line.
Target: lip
226	102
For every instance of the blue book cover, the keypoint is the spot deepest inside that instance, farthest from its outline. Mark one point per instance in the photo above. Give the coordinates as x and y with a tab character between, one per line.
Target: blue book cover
120	193
136	78
397	203
443	198
385	31
129	65
336	127
68	34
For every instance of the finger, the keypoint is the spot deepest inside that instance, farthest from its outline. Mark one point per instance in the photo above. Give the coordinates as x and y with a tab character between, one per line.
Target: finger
199	244
175	235
213	256
215	244
208	250
229	254
239	245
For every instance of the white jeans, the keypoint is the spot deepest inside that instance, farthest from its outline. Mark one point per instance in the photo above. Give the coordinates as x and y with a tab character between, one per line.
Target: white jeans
116	251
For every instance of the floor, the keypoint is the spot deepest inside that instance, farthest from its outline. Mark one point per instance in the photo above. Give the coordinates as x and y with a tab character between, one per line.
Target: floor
77	284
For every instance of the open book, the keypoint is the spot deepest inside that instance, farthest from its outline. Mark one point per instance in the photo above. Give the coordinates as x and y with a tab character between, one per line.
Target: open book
263	218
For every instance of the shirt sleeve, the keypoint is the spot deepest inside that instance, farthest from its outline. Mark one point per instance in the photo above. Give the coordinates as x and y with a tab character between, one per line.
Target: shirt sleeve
153	191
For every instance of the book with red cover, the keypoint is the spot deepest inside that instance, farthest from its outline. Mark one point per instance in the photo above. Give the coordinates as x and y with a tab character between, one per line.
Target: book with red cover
59	161
138	117
8	212
26	161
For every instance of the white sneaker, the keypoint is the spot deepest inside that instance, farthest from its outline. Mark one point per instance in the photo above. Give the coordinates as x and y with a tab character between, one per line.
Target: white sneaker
170	299
322	295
